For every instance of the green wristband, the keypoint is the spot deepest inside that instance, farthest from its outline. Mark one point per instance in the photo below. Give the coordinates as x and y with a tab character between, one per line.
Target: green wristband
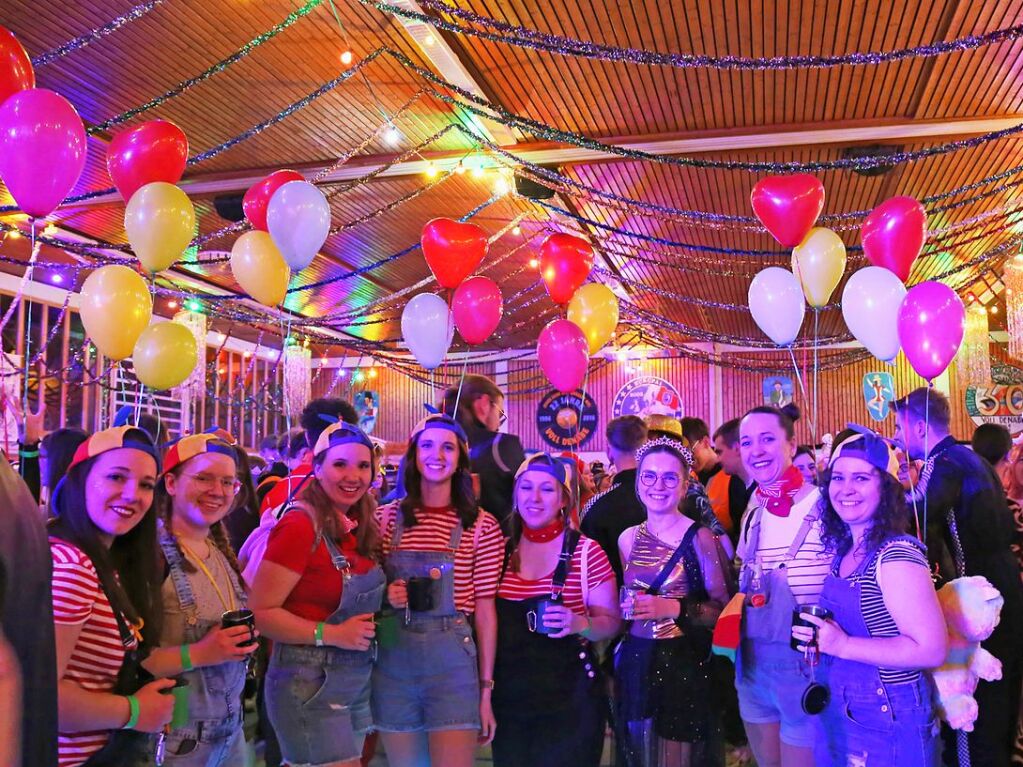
133	716
186	658
589	627
318	634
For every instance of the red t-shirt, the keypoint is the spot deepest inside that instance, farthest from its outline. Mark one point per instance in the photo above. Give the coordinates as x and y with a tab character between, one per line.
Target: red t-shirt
318	592
279	493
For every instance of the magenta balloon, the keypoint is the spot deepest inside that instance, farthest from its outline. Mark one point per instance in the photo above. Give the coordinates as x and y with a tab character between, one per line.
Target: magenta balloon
477	307
42	149
563	355
932	320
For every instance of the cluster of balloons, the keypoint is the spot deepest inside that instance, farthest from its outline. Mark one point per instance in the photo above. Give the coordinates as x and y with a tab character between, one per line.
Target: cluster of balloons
116	307
290	219
453	250
565	345
927	322
42	138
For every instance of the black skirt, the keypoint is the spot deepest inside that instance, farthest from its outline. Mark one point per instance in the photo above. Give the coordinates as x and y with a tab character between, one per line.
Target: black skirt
668	681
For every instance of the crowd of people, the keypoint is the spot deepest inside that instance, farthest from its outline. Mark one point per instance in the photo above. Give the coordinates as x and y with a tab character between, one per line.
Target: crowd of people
158	589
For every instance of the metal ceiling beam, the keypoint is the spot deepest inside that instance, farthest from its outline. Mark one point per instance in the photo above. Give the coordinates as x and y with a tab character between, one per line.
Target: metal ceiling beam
557	154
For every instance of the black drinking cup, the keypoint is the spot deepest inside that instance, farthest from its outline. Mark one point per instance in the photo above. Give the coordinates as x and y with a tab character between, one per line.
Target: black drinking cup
241	617
534	618
420	594
797	620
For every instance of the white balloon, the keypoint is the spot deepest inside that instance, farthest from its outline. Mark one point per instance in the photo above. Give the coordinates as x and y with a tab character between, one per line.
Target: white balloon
870	306
298	219
427	327
777	304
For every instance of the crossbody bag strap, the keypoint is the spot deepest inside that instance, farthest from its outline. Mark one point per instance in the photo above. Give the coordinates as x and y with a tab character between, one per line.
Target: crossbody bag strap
672	561
564	563
694	573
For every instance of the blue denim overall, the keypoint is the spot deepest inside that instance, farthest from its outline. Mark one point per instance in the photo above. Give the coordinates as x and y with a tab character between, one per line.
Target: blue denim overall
428	680
770	676
870	723
213	736
318	697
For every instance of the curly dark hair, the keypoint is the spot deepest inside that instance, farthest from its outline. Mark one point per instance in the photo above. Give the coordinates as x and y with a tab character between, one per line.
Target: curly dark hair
891	517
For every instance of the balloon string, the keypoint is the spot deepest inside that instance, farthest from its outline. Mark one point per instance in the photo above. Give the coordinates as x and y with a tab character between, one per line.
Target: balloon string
802	388
816	369
284	375
458	396
28	328
577	477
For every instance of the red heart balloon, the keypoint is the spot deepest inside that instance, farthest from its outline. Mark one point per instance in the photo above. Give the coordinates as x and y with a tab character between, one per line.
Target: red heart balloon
894	233
257	198
565	263
476	307
153	151
453	250
788	206
16	73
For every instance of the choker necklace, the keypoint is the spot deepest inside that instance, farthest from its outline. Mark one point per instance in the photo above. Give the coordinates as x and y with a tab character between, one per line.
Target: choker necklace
545	533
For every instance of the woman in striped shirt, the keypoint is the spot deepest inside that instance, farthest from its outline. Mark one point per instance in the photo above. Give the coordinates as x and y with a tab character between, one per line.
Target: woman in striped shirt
106	599
442	555
886	626
557	594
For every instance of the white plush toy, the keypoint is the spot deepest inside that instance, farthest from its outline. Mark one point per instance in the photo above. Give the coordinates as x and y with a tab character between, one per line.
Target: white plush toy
972	608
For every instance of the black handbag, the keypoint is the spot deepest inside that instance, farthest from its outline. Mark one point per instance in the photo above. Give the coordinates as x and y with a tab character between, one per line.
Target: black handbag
127	748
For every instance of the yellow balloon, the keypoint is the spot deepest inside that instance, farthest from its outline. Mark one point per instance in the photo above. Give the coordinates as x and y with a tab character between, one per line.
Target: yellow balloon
819	261
116	307
594	308
165	355
260	268
160	222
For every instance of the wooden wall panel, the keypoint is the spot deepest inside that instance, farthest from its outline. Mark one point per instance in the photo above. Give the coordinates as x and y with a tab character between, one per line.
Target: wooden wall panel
840	400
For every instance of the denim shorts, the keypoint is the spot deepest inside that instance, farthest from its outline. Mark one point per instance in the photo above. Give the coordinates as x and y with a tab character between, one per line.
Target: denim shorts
893	724
318	702
429	680
770	680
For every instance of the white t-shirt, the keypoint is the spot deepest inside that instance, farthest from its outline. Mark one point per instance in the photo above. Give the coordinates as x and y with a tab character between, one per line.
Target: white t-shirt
810	566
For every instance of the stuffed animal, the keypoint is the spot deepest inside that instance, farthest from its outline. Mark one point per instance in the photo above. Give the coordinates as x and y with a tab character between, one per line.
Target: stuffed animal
972	608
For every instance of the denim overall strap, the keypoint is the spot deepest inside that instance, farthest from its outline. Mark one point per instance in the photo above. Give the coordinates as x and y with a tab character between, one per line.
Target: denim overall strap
341	563
399	530
186	598
771	622
214	692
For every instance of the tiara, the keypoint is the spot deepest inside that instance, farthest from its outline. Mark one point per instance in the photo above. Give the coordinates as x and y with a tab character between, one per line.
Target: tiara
669	442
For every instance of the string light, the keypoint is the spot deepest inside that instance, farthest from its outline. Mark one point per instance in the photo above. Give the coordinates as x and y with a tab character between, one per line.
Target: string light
432	171
460	169
392	135
517	231
534	263
372	372
501	186
346	58
429	40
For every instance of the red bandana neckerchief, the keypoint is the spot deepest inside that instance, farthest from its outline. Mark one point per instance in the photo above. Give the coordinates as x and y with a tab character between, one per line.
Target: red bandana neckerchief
545	533
777	496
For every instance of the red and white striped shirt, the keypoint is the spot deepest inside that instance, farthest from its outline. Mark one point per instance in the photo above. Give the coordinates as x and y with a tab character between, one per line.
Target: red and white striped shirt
476	571
98	654
598	571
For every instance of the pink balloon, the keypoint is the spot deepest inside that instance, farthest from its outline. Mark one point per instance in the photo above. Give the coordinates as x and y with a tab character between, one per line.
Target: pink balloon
563	355
42	149
894	233
477	307
257	198
788	206
932	320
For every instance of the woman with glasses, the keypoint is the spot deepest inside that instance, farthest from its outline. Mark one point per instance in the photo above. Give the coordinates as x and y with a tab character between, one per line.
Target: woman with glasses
202	583
494	456
314	594
674	589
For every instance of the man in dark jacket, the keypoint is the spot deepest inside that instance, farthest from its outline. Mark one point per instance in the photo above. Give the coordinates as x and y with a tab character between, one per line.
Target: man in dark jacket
969	532
610	513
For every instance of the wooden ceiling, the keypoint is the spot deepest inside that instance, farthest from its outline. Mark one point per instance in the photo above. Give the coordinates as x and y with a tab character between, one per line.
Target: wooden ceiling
920	102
